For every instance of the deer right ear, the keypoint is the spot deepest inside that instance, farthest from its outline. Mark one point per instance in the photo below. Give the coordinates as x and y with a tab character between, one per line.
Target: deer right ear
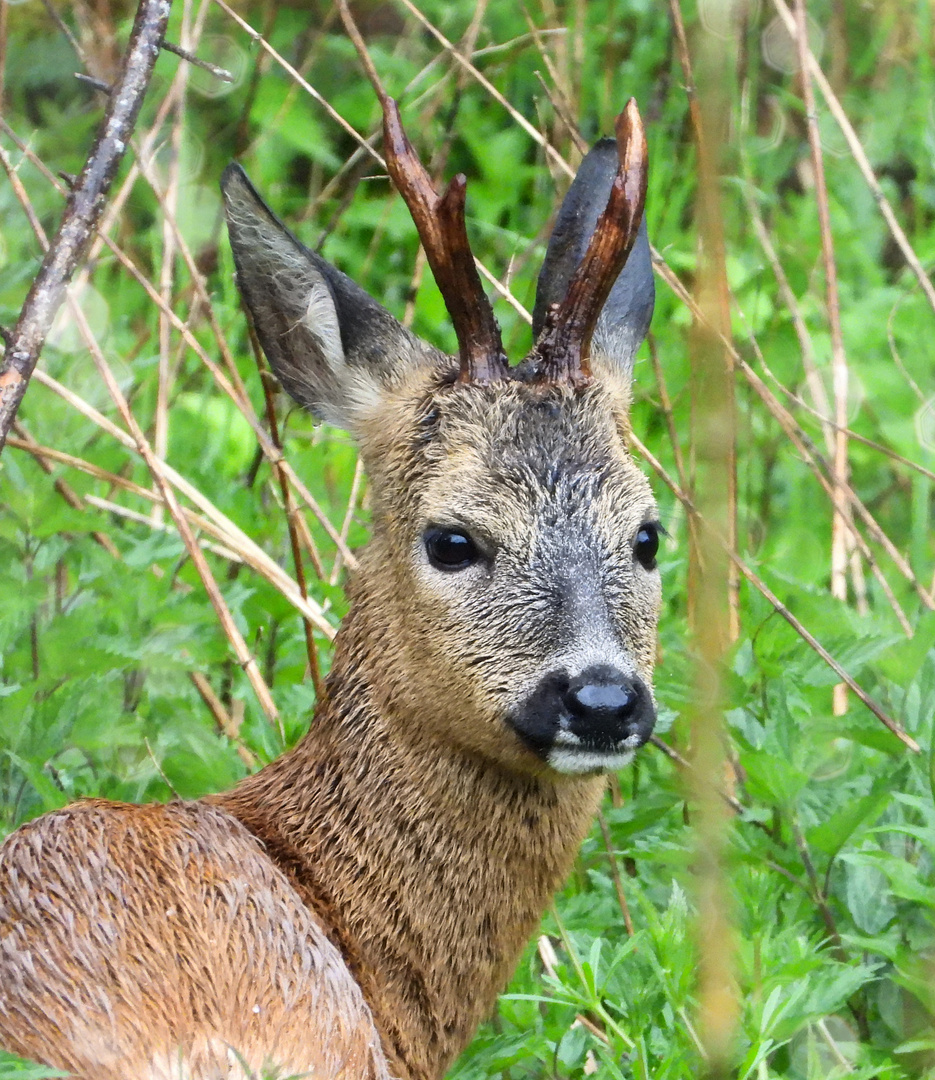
332	346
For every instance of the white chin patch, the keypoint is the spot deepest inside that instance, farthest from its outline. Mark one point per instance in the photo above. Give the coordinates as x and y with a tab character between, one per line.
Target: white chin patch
565	759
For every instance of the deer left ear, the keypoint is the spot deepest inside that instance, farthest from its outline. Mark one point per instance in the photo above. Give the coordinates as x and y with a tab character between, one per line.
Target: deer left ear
624	319
333	347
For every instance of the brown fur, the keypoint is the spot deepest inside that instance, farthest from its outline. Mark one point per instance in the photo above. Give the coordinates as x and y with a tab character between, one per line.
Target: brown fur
352	910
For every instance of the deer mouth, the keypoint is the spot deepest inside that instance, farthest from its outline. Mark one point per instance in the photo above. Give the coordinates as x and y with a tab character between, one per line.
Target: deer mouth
592	722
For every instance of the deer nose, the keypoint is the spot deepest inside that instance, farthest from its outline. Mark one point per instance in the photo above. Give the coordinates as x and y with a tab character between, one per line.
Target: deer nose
606	706
590	701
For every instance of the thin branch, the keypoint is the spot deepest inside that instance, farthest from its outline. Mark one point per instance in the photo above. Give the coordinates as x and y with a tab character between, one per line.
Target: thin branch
218	72
83	211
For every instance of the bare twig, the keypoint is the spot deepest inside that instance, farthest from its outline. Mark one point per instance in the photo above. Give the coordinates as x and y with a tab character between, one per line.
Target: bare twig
96	84
218	72
83	211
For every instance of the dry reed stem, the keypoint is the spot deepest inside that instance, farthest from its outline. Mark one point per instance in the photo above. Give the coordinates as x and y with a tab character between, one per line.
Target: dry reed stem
713	581
710	127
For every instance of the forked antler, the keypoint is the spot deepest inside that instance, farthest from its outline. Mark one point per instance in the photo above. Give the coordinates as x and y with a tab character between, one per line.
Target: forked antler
440	222
562	352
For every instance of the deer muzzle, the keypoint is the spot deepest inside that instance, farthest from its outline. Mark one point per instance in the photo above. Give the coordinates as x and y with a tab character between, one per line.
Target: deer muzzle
593	721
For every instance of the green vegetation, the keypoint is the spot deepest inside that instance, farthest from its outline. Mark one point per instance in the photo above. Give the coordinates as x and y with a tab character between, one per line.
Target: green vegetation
109	646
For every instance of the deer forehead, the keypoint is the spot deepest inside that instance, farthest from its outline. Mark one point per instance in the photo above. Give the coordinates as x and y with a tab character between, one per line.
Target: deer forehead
513	461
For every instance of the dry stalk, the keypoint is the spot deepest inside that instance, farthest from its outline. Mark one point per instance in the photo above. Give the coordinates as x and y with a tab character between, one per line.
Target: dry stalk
840	375
709	123
713	583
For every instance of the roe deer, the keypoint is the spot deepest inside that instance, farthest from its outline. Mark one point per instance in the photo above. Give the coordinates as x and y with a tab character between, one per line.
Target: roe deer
353	909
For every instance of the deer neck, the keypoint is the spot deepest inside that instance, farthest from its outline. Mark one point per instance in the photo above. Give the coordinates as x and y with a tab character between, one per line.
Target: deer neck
429	867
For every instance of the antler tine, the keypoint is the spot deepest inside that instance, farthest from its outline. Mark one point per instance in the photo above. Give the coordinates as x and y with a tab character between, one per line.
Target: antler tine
562	353
439	220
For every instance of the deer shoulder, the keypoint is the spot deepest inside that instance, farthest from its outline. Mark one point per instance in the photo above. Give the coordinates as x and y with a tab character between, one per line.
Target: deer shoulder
353	909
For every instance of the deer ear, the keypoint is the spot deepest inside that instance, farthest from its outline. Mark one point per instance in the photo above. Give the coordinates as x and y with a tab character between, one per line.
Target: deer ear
333	347
625	317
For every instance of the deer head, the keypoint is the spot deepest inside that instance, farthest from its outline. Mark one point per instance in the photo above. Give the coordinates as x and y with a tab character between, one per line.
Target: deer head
507	602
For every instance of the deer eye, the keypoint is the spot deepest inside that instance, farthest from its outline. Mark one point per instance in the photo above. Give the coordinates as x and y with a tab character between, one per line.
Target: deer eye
646	546
450	549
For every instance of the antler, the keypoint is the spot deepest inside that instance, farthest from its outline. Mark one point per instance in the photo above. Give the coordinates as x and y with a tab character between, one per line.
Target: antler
562	352
440	222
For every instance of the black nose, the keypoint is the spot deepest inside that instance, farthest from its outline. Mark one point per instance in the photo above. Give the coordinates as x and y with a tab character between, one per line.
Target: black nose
607	706
594	701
